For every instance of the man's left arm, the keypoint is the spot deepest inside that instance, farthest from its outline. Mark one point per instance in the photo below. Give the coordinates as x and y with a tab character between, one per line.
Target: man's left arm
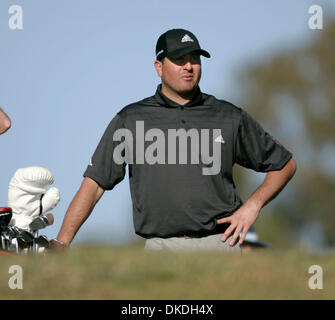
245	216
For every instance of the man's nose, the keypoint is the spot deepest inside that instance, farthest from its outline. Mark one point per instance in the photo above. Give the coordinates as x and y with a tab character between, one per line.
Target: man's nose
188	65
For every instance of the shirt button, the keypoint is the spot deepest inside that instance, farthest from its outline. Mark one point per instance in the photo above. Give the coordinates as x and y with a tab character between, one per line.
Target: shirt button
181	108
183	121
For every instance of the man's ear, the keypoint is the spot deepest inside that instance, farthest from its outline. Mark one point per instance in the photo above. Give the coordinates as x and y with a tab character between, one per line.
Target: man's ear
158	67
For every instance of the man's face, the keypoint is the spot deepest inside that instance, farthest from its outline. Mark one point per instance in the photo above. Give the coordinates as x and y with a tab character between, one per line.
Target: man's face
180	75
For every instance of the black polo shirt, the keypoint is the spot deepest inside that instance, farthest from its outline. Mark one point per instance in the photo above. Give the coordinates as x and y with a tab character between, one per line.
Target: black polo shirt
175	199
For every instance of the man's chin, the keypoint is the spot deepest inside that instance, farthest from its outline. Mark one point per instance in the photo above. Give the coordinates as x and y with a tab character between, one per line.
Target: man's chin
187	92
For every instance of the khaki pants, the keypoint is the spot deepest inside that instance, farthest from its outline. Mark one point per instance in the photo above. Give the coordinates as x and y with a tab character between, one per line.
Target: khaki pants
209	243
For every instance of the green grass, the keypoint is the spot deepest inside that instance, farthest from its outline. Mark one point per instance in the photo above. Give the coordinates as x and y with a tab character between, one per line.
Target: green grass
97	272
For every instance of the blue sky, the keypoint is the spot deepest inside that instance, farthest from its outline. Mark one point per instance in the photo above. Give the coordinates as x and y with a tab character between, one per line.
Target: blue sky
76	63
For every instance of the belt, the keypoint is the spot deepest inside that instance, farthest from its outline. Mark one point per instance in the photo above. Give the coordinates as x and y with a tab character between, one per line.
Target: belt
220	228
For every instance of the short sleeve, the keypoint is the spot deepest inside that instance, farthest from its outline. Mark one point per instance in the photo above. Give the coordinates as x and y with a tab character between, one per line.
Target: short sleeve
256	149
102	168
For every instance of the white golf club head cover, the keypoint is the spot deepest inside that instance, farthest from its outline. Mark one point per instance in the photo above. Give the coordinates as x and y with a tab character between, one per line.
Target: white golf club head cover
24	194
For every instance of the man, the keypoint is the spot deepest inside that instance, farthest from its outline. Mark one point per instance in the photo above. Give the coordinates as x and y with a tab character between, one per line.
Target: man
191	203
5	122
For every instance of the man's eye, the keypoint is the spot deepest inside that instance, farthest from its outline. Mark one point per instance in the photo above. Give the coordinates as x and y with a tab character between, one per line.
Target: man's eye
184	60
195	59
180	60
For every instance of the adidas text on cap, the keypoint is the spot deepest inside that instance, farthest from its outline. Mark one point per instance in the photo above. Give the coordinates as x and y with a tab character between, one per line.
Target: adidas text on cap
177	42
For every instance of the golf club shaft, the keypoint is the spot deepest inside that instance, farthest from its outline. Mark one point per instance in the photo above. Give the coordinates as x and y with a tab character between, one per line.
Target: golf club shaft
35	244
3	242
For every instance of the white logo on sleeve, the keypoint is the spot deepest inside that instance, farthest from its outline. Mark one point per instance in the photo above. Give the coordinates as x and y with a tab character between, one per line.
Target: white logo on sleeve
187	38
90	164
220	139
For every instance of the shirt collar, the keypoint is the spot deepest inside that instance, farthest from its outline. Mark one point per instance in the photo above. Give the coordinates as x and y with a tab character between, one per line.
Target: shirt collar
165	101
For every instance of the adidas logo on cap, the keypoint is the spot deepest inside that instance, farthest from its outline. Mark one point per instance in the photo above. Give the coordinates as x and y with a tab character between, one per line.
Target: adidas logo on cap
187	38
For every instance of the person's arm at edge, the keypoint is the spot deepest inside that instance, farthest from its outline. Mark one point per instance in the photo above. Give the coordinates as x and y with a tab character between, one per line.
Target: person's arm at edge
5	122
79	210
244	217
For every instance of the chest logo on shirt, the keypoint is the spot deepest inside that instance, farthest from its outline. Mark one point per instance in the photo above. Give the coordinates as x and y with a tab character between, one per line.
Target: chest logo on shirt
220	139
172	146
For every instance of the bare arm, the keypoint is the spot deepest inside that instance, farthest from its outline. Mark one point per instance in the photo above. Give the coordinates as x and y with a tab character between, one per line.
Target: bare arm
244	217
79	210
5	122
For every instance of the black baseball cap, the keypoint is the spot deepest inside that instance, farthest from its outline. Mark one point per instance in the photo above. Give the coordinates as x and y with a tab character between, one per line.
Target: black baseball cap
177	42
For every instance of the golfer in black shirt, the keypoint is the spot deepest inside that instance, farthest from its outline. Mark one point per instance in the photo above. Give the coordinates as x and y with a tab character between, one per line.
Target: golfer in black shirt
180	146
